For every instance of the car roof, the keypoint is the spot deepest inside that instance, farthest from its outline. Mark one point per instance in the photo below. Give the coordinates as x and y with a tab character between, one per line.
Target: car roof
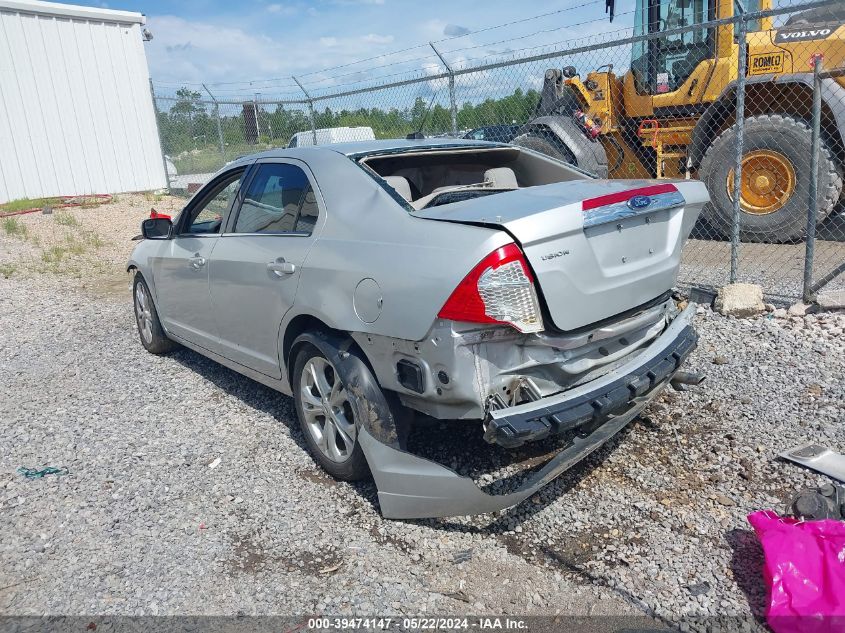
362	148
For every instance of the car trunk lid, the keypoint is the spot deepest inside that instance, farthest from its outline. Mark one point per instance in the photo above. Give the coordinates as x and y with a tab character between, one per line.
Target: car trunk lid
597	247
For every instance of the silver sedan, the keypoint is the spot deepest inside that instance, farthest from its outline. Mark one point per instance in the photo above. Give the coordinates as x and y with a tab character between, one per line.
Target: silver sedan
457	279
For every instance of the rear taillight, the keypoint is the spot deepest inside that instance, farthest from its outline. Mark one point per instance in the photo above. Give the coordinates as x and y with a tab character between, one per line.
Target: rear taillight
499	289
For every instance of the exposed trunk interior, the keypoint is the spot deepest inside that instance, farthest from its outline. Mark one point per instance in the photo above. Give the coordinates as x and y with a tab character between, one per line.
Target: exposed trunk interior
587	273
433	178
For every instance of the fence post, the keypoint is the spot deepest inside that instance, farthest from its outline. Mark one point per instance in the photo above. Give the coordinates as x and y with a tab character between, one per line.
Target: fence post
742	27
453	106
158	132
217	119
257	122
813	203
310	109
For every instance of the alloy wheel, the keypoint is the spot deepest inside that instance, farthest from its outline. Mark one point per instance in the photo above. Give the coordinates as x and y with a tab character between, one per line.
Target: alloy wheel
143	312
327	410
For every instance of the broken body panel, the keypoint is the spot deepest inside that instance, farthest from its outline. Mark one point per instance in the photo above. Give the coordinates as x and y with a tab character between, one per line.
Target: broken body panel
410	486
600	257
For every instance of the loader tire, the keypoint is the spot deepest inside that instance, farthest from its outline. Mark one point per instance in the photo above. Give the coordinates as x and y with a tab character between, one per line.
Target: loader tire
775	179
546	144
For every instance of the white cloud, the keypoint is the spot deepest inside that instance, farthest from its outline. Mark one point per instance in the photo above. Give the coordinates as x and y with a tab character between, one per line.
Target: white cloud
281	9
372	38
192	51
455	30
329	33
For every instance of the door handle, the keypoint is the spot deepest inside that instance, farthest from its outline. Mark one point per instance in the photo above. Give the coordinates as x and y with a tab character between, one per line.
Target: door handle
281	267
196	262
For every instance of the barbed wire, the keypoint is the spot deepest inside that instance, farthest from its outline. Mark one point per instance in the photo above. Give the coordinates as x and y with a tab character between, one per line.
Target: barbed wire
250	84
376	82
522	37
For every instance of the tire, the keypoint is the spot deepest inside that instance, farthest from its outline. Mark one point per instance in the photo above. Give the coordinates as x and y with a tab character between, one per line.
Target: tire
547	145
562	137
326	415
777	147
150	331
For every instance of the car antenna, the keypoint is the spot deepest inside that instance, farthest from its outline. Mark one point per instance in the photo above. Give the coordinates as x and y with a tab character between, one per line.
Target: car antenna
418	133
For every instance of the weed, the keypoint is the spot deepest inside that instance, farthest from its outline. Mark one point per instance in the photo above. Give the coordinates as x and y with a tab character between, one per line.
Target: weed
54	254
74	246
27	203
92	239
13	226
7	270
65	219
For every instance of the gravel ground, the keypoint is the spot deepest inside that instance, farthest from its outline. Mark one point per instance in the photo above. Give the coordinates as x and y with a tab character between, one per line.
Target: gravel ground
143	524
78	242
653	523
777	268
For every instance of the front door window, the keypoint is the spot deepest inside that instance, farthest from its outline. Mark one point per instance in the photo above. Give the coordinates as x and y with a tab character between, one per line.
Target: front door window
207	216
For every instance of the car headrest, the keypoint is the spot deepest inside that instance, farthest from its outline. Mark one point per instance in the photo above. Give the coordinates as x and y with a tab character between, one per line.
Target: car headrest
401	185
501	178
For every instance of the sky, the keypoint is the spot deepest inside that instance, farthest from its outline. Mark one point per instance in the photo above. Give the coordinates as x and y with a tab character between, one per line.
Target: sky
255	46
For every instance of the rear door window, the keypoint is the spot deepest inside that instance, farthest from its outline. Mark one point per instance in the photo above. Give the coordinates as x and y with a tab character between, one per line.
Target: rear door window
279	199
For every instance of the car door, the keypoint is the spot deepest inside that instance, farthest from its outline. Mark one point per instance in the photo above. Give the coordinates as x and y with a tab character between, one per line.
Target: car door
256	266
181	270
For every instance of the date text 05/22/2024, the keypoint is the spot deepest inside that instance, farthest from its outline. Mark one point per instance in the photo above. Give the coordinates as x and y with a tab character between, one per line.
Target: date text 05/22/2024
417	623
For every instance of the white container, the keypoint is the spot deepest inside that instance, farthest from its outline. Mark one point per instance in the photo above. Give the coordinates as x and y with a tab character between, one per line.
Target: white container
332	135
76	114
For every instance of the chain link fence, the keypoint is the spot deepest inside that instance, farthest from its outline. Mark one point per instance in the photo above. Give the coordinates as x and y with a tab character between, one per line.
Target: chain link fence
752	103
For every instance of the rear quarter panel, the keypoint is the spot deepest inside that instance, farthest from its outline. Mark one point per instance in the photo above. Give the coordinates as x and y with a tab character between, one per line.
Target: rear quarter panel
416	263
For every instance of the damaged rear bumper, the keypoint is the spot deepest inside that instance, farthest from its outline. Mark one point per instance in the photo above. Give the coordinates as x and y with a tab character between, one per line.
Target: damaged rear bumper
590	405
410	486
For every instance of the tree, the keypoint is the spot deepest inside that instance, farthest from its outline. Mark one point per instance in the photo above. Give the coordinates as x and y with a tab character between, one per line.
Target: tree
187	103
187	126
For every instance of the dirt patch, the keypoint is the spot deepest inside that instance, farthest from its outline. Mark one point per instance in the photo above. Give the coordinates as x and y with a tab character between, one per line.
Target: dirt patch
383	538
569	554
250	556
318	476
117	284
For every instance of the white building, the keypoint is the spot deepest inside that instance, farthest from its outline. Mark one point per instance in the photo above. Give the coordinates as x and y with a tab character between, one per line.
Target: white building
76	113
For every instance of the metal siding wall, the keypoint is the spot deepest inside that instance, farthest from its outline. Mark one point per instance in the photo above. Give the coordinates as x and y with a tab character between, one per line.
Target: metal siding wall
76	114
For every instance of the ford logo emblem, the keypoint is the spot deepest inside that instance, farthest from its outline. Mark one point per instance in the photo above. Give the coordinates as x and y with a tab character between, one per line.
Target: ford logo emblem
639	202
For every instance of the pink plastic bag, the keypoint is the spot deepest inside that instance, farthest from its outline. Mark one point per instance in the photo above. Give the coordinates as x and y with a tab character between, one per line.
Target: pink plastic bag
804	572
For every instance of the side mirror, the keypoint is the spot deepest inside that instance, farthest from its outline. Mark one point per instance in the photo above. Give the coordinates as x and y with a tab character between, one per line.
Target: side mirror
156	228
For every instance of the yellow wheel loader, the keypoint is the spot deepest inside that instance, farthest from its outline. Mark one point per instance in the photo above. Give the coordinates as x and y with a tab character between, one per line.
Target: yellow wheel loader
672	114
